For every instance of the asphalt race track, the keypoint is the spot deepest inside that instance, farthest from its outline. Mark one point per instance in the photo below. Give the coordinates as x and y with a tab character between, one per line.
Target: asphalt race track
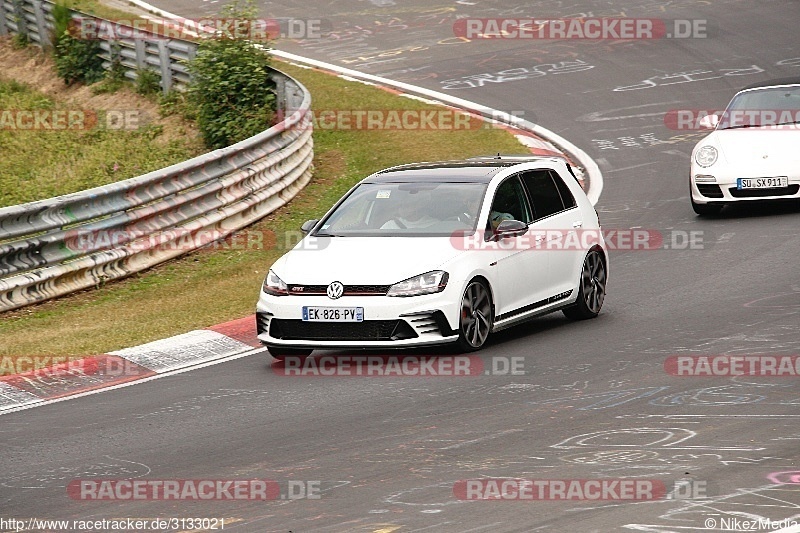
594	400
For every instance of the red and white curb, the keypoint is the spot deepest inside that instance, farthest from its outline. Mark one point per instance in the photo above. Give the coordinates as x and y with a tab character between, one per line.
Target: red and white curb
88	375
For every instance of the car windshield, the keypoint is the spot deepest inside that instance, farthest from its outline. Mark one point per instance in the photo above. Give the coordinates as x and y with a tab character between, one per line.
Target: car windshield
406	209
774	106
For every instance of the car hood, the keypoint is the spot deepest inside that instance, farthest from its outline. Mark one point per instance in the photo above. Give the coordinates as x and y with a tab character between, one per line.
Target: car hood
363	260
769	149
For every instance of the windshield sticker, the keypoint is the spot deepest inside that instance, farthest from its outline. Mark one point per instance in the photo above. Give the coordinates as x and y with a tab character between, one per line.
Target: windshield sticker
383	194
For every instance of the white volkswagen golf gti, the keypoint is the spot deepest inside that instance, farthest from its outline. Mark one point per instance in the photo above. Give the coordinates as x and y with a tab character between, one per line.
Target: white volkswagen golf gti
435	253
753	152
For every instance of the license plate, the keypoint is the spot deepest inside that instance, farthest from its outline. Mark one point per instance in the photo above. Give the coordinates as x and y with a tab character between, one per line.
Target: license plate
761	183
333	314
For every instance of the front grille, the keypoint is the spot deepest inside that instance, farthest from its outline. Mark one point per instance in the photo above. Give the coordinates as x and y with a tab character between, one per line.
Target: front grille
791	190
349	290
368	330
709	191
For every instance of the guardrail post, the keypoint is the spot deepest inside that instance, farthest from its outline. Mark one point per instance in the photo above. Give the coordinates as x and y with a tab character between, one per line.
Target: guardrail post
41	27
282	103
294	95
166	68
114	56
21	21
3	23
140	45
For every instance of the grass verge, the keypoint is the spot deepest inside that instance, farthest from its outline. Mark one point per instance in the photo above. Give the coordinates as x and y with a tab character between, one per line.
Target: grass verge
44	163
205	288
92	7
70	146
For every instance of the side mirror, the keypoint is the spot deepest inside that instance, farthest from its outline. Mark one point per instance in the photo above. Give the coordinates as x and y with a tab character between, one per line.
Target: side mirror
308	225
709	122
510	228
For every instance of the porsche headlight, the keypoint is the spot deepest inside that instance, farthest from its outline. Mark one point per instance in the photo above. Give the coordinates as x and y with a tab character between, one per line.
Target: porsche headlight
274	285
428	283
706	156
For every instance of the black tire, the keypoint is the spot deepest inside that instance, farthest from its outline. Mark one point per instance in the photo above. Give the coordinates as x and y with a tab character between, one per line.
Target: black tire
476	317
591	288
280	353
706	209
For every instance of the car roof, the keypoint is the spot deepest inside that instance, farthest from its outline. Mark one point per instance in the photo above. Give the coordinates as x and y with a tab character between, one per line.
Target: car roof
772	83
474	170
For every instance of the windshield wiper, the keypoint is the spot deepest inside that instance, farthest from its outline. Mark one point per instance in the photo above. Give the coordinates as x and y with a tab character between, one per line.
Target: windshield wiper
761	125
742	126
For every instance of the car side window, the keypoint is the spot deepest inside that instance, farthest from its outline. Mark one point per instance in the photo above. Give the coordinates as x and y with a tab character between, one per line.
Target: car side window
566	195
544	193
510	202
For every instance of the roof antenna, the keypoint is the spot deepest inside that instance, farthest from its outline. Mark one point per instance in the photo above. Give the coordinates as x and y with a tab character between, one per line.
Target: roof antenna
498	155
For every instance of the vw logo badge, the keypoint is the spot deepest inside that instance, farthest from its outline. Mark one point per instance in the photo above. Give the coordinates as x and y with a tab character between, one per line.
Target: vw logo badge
335	290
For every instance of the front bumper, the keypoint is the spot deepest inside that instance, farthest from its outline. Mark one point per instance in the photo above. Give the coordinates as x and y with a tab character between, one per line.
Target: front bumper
389	322
723	188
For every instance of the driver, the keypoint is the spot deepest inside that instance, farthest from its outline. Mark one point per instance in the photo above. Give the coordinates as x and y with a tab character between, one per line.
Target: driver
412	213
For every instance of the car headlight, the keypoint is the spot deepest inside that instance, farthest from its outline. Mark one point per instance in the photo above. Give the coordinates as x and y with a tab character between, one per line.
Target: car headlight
427	283
274	285
706	156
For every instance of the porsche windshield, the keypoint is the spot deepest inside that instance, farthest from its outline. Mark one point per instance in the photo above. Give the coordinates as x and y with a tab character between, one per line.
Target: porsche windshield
774	106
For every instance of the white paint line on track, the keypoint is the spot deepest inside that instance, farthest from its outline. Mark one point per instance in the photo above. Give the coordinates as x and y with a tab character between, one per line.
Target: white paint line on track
45	401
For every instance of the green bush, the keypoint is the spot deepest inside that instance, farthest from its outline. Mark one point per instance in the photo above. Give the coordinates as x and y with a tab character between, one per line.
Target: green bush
231	90
78	60
62	16
148	82
176	103
20	41
113	78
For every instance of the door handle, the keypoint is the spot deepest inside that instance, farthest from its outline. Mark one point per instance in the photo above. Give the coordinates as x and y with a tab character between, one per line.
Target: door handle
577	224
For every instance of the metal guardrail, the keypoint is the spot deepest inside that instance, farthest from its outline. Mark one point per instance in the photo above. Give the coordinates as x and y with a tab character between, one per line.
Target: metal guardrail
50	248
34	19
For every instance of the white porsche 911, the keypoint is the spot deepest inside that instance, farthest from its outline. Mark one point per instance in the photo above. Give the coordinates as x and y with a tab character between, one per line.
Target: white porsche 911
753	154
435	253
